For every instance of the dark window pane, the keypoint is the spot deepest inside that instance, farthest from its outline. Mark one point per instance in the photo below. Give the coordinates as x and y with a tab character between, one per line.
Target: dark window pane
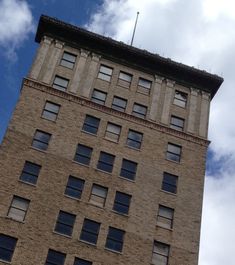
90	231
173	152
55	258
139	110
91	124
115	239
30	172
7	247
98	97
65	222
134	139
122	202
50	111
128	169
106	162
74	187
119	104
169	182
81	262
41	140
83	154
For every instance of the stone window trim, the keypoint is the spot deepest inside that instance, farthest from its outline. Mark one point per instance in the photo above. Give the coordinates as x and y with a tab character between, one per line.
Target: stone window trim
68	60
41	140
91	124
160	252
174	152
165	217
74	187
60	83
50	111
105	72
113	132
18	208
115	239
7	247
55	257
30	173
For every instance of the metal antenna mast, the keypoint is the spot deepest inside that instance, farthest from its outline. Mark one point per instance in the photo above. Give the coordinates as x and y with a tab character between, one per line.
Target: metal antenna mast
134	28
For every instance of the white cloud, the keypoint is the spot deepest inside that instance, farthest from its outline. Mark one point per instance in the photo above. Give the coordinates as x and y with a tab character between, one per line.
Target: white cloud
199	33
16	22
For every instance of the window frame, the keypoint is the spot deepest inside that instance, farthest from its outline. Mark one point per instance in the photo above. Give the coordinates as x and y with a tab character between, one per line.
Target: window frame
165	218
88	124
118	202
98	100
174	125
77	154
158	253
95	195
112	240
61	223
135	142
173	187
85	231
102	162
28	173
137	113
124	82
54	252
180	99
174	156
76	189
107	132
65	62
50	111
18	208
128	171
103	75
58	86
79	261
38	141
144	88
9	249
117	106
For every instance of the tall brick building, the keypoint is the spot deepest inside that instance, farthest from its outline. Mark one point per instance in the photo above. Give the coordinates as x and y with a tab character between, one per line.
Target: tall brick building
104	158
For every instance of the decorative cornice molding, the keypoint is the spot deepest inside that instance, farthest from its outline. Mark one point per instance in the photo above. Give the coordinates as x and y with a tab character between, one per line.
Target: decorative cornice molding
82	101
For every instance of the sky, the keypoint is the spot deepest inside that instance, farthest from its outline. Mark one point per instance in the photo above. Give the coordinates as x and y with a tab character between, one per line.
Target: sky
199	33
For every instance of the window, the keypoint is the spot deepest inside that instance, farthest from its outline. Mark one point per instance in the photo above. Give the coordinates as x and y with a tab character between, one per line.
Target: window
144	85
98	97
60	83
134	139
160	253
41	140
128	169
177	123
7	247
180	99
98	195
105	73
124	79
18	208
91	124
68	60
165	216
173	152
139	110
169	182
119	104
74	187
55	258
50	111
78	261
30	172
90	231
64	223
83	154
105	162
122	202
113	132
115	239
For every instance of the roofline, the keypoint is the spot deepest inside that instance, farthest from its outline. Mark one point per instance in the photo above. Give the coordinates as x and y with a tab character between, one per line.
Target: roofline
125	54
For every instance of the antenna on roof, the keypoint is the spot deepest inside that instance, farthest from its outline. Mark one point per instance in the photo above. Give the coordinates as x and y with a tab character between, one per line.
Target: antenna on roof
134	28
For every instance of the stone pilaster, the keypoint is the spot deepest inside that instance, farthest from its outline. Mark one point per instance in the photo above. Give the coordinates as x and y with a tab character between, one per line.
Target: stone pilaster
192	111
204	115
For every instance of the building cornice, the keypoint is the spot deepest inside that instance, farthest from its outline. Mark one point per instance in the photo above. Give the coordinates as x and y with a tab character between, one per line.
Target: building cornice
85	102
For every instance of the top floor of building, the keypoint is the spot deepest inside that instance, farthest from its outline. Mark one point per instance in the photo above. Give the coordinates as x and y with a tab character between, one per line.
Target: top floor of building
123	78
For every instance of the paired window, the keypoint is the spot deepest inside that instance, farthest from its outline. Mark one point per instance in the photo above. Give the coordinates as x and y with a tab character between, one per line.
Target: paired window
173	152
98	195
115	239
83	154
134	139
177	123
113	132
105	73
74	187
7	247
169	182
122	202
139	110
106	162
50	111
68	60
91	124
128	169
55	258
41	140
119	104
98	97
78	261
160	253
30	172
165	216
65	223
124	79
144	85
18	208
90	231
60	83
180	99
